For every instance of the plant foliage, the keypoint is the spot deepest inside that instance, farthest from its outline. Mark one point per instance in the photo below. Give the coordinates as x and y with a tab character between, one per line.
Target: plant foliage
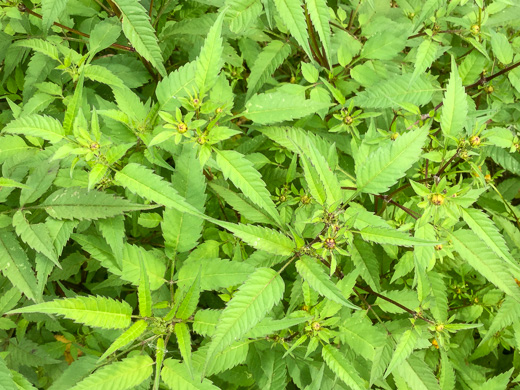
259	194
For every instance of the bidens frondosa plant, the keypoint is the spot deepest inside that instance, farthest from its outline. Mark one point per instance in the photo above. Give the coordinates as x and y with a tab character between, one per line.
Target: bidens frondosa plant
259	194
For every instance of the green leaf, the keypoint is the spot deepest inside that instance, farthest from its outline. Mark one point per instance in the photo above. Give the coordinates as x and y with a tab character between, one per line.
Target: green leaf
74	104
269	326
190	298
340	366
98	311
244	176
320	17
403	349
143	291
51	9
455	107
145	183
384	45
242	13
397	90
290	12
177	84
182	333
326	175
387	164
277	107
209	60
42	126
38	182
79	203
314	182
177	376
418	374
215	273
104	34
182	231
486	230
501	48
243	205
317	278
393	237
477	254
262	238
40	46
36	236
130	335
123	375
75	372
139	31
366	262
249	305
15	265
155	266
271	57
426	54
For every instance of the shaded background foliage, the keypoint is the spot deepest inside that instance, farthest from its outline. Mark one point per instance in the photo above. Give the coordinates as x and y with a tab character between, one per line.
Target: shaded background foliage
259	194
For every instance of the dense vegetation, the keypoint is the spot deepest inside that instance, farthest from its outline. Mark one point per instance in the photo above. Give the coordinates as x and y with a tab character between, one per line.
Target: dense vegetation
259	194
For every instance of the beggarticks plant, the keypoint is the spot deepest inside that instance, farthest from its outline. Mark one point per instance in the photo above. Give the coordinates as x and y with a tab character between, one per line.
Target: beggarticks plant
258	194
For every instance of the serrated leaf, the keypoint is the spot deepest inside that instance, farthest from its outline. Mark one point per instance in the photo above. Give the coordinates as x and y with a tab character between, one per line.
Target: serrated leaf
79	203
242	13
40	46
243	205
249	305
366	262
418	374
486	230
215	273
340	366
181	231
328	179
94	311
209	61
269	59
38	182
502	48
317	278
131	334
320	17
75	372
455	105
393	237
267	108
384	45
145	183
177	84
15	265
36	236
182	333
397	90
403	349
313	181
51	9
426	54
35	125
269	326
124	375
390	162
262	238
290	12
190	298
143	291
244	176
139	31
477	254
176	375
104	34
